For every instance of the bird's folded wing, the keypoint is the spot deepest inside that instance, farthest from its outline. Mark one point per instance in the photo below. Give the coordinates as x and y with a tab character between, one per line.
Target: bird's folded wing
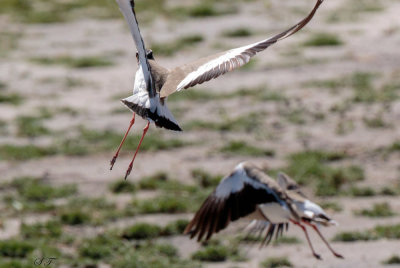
127	8
211	67
236	196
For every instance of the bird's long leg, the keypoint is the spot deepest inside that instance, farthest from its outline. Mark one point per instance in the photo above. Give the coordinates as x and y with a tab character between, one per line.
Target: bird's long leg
128	171
317	256
323	239
112	162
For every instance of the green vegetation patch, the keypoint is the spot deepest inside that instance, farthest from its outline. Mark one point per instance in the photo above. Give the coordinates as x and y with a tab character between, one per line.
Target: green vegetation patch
364	90
8	42
376	121
169	49
311	167
240	123
205	179
378	210
34	194
100	247
323	39
273	262
175	228
94	211
10	98
238	32
43	11
212	253
31	126
13	248
215	251
74	62
260	93
16	264
283	240
354	10
37	190
209	9
175	197
49	229
108	140
331	206
166	203
141	231
244	149
395	259
151	255
379	232
122	186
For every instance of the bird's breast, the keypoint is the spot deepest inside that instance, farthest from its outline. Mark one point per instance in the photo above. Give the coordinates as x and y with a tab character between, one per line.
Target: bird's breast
140	82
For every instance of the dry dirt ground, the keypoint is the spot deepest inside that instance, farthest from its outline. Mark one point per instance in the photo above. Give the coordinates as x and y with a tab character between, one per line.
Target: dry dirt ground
60	119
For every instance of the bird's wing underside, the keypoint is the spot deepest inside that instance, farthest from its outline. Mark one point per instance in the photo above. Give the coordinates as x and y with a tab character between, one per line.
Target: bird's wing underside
127	8
213	66
236	196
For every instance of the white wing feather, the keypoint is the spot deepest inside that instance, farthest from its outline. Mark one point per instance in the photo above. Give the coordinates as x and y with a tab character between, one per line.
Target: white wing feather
127	9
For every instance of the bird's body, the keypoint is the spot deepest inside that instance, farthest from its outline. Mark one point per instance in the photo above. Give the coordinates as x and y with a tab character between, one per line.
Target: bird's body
154	83
249	193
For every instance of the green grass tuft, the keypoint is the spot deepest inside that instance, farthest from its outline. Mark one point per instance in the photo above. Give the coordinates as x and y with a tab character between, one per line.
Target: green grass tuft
175	228
395	259
378	210
15	248
167	203
49	229
273	262
25	152
242	148
208	9
74	217
122	186
311	167
212	253
169	49
205	179
354	236
141	231
239	32
74	62
36	190
30	126
323	39
379	232
13	98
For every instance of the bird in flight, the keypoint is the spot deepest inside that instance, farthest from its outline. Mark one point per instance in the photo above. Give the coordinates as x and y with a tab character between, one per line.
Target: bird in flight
154	83
271	205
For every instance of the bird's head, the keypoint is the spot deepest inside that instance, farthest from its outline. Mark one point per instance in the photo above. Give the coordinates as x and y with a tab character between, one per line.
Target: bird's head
149	55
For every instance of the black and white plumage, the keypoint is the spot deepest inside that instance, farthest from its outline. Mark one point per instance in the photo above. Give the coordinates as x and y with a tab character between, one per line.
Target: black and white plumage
148	91
249	193
154	83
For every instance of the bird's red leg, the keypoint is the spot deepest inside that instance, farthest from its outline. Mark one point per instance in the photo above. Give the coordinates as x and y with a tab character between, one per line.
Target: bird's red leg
323	239
308	239
128	171
112	162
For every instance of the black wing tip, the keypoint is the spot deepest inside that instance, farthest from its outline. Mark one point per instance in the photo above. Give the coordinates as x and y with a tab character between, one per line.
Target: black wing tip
146	114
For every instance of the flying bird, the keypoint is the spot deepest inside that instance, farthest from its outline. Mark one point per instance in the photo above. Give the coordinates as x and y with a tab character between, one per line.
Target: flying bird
271	205
154	83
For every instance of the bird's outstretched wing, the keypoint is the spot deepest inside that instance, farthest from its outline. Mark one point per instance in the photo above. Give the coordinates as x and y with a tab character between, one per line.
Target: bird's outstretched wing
236	196
127	8
264	231
211	67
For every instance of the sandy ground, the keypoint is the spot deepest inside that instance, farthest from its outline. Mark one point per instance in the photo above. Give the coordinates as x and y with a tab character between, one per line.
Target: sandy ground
371	43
